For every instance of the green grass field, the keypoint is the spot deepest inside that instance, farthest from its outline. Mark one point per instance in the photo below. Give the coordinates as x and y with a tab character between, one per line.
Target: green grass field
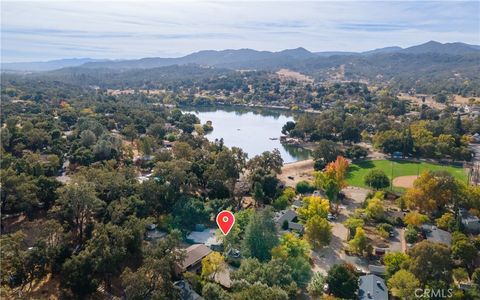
357	171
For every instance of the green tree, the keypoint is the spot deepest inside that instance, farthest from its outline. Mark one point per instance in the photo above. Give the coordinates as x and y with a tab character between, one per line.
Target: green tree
431	261
315	287
342	281
153	279
394	261
375	209
76	205
377	179
213	291
260	235
318	232
403	284
360	242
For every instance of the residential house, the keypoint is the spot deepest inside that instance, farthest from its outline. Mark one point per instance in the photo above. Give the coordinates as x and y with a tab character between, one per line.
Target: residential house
288	219
436	235
470	222
372	287
193	258
186	291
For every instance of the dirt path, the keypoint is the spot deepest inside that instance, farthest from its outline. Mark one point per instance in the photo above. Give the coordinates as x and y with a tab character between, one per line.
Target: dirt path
300	170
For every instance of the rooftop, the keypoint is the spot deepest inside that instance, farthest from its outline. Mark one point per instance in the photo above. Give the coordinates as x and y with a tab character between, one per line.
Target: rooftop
194	254
437	235
372	287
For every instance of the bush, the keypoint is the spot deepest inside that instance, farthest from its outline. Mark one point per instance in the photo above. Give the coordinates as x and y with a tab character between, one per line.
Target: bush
377	179
411	235
304	187
280	203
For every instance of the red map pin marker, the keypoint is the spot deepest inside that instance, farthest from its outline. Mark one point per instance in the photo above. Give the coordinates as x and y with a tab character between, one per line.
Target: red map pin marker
225	221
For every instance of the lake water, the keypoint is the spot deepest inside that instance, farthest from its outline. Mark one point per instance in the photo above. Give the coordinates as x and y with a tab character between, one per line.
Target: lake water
250	129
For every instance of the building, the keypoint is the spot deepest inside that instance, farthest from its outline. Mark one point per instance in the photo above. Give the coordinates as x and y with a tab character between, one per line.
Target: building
288	218
206	237
193	258
436	235
186	291
470	222
372	287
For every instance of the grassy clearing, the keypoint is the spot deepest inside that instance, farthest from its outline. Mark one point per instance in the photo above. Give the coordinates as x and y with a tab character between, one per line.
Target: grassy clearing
357	171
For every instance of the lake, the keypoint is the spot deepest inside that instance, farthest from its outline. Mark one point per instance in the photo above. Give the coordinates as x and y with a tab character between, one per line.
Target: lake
250	129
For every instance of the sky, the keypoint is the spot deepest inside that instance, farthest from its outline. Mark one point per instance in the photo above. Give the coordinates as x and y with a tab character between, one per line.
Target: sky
46	30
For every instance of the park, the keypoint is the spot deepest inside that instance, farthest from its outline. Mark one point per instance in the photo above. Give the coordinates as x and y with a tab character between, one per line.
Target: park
402	172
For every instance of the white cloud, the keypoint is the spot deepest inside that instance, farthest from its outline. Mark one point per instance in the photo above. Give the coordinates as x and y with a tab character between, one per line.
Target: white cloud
42	30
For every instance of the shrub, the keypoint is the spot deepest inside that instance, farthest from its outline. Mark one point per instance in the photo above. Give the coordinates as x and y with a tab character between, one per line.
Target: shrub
304	187
280	203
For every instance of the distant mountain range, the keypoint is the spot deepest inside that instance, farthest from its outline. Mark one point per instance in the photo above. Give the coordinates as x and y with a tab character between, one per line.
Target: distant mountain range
236	59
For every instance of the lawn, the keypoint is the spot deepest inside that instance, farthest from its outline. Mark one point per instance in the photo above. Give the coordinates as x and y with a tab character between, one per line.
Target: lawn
357	171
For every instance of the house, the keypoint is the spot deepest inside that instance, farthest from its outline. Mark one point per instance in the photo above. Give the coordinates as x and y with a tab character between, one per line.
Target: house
471	222
193	258
288	218
436	235
372	287
186	291
206	237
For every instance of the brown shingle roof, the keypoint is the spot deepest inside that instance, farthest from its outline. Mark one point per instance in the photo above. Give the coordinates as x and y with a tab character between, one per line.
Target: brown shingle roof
194	254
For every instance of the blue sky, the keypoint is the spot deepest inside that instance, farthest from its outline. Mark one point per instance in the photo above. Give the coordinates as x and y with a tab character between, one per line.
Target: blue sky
45	30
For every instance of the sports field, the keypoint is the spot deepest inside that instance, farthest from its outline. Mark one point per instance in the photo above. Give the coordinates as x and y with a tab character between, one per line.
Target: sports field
357	171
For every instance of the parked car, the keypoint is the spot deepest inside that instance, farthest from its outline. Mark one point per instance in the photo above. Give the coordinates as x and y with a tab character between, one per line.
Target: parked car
331	217
291	177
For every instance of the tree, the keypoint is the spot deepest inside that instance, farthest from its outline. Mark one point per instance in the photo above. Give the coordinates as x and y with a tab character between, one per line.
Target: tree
463	249
352	223
76	206
431	261
375	209
326	152
87	138
213	291
153	279
291	246
377	179
294	252
315	287
359	243
261	292
446	221
212	264
403	284
394	261
314	206
267	161
342	281
18	192
275	273
303	187
318	232
415	219
260	235
432	191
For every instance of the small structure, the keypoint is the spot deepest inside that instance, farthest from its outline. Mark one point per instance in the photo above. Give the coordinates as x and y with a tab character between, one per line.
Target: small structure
377	270
186	291
193	258
372	287
152	234
297	204
436	235
288	217
471	222
206	237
